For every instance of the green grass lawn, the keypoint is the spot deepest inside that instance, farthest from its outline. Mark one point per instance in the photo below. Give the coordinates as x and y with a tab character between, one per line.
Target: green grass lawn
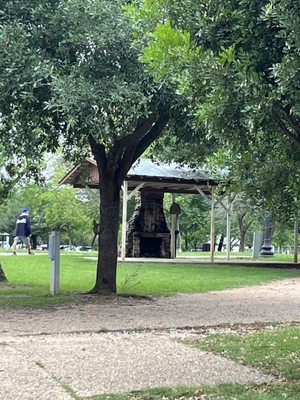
29	278
169	279
275	350
219	392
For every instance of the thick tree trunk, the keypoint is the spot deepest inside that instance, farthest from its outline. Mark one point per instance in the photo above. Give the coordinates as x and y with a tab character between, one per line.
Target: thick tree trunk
34	241
113	166
243	227
186	243
221	243
108	237
242	242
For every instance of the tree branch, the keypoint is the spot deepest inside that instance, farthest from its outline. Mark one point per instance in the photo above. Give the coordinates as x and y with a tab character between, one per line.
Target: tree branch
294	122
285	121
98	151
127	146
132	153
153	134
143	126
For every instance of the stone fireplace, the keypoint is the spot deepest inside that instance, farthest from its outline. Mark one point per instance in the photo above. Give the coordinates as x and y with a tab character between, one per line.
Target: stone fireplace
148	234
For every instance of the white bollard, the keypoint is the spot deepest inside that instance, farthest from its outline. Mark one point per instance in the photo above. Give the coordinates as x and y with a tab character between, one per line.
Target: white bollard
256	244
54	255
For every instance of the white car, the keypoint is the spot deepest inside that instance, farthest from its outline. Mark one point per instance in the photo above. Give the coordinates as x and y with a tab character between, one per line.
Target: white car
84	248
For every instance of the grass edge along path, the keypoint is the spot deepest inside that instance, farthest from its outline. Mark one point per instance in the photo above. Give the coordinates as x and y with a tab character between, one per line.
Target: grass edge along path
262	346
29	279
205	392
272	348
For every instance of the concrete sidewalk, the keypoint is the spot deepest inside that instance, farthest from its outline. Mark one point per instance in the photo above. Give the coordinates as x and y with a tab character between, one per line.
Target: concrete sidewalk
122	344
54	367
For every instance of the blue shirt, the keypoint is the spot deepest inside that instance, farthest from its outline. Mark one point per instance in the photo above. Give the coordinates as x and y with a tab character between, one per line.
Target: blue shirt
23	226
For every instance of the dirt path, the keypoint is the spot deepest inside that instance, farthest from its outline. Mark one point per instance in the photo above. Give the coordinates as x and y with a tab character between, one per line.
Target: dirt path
275	301
124	344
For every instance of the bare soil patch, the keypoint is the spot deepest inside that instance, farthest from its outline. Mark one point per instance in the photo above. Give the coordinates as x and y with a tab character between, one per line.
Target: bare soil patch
277	301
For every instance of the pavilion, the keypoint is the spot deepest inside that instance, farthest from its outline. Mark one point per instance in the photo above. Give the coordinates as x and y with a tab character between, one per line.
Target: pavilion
154	176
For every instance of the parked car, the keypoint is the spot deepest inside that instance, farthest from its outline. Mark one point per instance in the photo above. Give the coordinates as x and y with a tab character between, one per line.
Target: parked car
66	247
84	248
43	246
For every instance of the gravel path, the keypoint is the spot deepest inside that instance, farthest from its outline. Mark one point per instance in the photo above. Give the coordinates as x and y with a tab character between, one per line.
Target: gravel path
123	344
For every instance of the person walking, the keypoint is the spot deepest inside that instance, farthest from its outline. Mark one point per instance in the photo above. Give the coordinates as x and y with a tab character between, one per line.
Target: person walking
96	231
23	231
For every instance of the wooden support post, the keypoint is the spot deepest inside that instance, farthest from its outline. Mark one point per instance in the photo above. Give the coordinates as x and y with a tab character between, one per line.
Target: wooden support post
212	226
228	234
173	227
124	219
296	241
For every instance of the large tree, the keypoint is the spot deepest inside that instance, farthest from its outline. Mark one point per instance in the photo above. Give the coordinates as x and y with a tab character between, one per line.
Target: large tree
237	62
71	78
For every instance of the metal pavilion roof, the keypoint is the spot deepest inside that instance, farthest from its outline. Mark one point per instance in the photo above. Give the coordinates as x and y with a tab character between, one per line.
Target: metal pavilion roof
154	175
